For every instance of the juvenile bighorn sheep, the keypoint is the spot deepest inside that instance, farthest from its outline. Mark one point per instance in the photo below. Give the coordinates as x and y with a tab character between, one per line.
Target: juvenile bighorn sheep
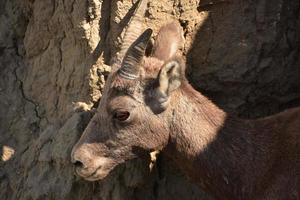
148	104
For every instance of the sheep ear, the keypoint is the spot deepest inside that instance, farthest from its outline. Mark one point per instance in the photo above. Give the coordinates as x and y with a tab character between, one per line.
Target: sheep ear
169	39
168	80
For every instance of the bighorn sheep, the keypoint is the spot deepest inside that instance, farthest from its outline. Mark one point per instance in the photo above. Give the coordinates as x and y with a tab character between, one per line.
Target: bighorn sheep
148	104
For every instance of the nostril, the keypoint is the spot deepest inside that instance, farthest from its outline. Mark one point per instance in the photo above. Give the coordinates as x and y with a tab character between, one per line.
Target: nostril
78	164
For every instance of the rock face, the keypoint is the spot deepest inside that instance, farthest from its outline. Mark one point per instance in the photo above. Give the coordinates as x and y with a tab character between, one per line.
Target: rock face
54	56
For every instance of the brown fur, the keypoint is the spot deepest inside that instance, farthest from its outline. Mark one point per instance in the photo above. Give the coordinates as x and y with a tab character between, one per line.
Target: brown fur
234	158
229	157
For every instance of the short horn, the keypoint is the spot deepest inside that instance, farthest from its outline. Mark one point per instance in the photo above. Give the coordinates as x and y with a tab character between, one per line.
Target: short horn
130	66
133	30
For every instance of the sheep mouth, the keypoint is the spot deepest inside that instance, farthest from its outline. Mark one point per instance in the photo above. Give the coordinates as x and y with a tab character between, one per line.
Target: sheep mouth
98	173
95	175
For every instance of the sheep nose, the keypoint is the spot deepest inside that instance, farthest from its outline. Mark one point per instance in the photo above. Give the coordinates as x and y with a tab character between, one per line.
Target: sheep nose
77	160
78	164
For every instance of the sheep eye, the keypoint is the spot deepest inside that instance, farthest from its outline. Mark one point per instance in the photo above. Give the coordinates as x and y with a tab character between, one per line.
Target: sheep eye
121	115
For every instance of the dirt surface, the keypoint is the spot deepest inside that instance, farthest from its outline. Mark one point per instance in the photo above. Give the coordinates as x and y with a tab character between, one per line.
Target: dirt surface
54	57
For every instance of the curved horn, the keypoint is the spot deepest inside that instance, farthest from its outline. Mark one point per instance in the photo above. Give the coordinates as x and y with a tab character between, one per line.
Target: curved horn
131	63
133	30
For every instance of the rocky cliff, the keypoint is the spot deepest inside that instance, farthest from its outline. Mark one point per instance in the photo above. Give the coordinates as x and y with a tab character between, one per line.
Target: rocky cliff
54	56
